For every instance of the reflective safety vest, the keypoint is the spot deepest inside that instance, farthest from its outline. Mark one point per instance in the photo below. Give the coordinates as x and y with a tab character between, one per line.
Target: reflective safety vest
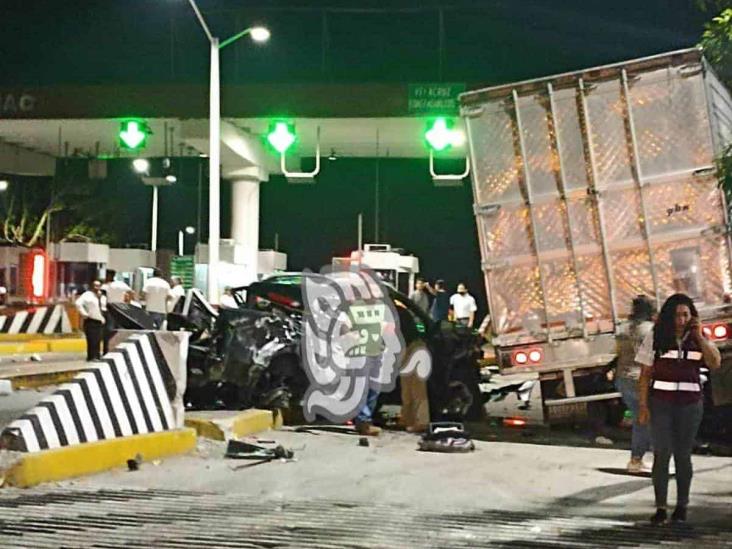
676	374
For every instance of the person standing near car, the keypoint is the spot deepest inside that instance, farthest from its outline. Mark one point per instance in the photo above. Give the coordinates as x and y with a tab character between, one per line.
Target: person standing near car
420	295
91	306
155	293
627	376
463	306
440	309
177	292
670	396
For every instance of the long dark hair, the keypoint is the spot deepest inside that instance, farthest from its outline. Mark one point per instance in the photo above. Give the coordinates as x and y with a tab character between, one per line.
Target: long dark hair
664	333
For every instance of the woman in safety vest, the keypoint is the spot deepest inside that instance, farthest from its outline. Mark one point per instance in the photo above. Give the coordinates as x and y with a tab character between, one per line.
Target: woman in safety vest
671	396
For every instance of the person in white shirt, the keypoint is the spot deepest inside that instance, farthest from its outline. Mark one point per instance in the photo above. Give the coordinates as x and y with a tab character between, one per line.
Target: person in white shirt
91	306
155	293
177	292
463	306
117	291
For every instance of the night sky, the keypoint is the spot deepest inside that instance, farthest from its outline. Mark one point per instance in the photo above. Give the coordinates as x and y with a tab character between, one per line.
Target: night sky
53	42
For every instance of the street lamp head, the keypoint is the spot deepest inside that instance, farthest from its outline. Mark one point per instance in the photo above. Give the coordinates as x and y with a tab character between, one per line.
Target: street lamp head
190	230
260	34
4	184
170	178
141	165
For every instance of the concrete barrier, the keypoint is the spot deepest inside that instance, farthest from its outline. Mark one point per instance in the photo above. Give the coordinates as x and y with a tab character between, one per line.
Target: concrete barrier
52	319
107	410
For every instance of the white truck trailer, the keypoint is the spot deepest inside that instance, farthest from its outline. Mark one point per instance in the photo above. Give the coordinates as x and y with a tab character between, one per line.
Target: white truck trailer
590	188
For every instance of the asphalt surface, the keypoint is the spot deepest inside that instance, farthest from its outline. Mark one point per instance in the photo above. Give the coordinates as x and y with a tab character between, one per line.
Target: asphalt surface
337	493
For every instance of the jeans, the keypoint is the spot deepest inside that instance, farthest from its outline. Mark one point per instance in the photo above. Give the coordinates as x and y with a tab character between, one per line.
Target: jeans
673	427
158	319
641	437
366	413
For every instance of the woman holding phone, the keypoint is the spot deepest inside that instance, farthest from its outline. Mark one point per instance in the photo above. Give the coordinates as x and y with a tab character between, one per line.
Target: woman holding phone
670	396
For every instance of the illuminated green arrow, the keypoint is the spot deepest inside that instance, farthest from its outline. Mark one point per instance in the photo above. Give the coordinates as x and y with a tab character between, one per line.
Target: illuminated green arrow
132	135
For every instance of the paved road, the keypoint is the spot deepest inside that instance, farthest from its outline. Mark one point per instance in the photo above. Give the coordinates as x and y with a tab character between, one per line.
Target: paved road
339	494
19	402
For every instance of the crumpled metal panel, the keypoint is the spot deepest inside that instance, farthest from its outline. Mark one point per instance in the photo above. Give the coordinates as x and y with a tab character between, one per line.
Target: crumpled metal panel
551	226
542	163
671	121
595	291
632	276
506	233
622	214
497	167
569	131
713	268
606	107
688	203
516	298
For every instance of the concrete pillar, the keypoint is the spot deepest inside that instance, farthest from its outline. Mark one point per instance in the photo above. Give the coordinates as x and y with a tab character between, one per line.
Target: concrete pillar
245	223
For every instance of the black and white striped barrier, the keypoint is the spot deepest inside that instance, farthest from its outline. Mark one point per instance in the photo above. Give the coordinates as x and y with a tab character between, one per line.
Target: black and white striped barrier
132	390
41	320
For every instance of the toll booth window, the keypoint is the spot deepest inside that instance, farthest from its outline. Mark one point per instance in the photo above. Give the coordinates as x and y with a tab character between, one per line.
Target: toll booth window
686	271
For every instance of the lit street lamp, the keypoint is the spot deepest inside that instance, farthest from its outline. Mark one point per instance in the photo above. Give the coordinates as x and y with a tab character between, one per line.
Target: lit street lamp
181	238
4	184
258	34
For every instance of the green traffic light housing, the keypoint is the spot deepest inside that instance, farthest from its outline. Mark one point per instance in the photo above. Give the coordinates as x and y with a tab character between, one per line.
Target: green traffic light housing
133	134
441	136
281	136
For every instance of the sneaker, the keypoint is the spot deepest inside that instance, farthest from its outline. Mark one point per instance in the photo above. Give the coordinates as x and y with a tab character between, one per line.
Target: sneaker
679	514
636	466
366	429
603	441
659	518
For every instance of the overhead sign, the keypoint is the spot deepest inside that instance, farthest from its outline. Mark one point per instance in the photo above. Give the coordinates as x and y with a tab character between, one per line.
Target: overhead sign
184	267
434	99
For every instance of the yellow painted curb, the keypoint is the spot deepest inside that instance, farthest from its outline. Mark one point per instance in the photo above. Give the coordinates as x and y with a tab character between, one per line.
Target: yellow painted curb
93	457
67	346
36	381
19	347
222	425
14	338
43	345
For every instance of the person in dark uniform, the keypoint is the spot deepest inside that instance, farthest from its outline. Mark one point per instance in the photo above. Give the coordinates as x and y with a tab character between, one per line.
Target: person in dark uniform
670	396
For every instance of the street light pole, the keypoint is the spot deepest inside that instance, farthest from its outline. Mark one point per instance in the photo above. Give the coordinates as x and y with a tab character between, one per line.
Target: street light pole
214	177
260	34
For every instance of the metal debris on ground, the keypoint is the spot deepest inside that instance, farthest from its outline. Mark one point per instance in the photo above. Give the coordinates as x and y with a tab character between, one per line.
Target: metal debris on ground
134	463
237	449
447	437
363	441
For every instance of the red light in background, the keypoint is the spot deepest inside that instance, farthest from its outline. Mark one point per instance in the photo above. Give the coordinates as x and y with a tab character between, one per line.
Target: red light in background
535	356
716	332
514	422
720	332
520	358
38	275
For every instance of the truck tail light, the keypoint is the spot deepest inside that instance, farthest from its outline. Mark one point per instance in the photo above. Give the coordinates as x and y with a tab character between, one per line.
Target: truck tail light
716	332
514	422
527	356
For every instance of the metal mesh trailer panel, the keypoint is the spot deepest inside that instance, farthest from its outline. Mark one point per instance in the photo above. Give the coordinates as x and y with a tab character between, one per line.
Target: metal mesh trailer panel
595	186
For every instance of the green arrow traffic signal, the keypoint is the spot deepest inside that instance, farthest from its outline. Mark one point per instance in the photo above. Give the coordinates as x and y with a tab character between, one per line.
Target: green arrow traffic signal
133	134
440	136
281	137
